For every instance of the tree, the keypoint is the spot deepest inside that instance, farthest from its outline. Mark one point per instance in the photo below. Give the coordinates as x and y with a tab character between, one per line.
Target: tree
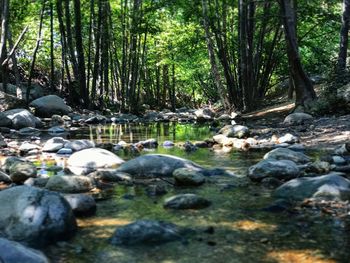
303	86
344	37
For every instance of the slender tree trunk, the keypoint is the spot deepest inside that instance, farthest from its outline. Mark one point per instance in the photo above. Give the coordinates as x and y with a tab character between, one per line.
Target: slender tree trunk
4	37
80	53
38	42
15	68
52	80
92	15
344	37
303	87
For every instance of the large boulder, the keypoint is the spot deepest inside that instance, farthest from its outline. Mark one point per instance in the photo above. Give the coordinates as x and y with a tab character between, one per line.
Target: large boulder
34	216
22	118
287	154
70	183
13	252
330	186
89	160
81	204
151	165
146	232
8	102
238	131
279	169
297	118
36	91
49	105
204	114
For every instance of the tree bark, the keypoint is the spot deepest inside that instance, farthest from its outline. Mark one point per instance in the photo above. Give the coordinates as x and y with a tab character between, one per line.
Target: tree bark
4	38
344	37
304	92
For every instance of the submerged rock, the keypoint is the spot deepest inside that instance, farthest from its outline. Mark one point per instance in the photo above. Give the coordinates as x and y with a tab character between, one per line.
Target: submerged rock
287	154
12	252
70	183
153	165
279	169
34	216
188	177
89	160
146	232
49	105
330	186
186	201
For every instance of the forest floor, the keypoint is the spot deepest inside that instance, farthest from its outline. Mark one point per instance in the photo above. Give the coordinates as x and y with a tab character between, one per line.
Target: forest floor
321	132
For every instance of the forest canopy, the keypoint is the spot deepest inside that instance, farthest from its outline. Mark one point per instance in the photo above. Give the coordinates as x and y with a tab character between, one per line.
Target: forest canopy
166	54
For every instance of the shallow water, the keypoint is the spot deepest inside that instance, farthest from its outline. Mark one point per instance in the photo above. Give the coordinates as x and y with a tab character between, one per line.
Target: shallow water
233	229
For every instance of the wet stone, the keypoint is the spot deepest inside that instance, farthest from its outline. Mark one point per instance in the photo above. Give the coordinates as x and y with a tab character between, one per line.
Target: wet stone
186	201
188	177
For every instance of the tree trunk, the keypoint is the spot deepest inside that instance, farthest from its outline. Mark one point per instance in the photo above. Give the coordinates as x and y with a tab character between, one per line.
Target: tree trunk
52	58
15	68
304	92
4	37
344	37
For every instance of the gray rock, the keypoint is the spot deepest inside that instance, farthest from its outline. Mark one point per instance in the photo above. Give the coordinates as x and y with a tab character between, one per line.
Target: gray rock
343	149
188	177
146	232
287	154
204	114
26	147
279	169
34	216
186	201
288	138
319	167
56	130
22	118
14	252
79	145
35	92
297	118
70	184
151	165
98	119
338	160
110	176
89	160
82	205
54	144
3	144
238	131
168	144
21	171
37	182
65	151
330	186
5	121
150	143
49	105
29	131
5	178
9	161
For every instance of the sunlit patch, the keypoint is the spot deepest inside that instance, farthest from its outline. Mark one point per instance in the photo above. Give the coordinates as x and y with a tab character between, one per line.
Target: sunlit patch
105	222
249	225
296	256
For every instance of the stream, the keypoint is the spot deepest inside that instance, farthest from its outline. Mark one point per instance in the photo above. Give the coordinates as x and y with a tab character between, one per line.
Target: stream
237	227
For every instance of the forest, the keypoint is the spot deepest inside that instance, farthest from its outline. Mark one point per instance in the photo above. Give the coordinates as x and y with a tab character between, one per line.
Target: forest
174	131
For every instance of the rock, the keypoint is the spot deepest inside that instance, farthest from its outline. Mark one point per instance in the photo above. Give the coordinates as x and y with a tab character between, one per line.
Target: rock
154	165
343	149
9	161
297	118
189	147
35	92
98	119
188	177
204	114
330	186
288	138
110	176
5	179
319	167
220	138
12	252
79	145
8	102
150	143
146	232
344	93
238	131
271	182
49	105
29	131
338	160
34	216
54	144
65	151
89	160
22	118
201	144
56	130
37	182
3	143
26	147
5	121
156	190
186	201
279	169
224	117
21	171
297	147
70	184
278	206
82	205
168	144
287	154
